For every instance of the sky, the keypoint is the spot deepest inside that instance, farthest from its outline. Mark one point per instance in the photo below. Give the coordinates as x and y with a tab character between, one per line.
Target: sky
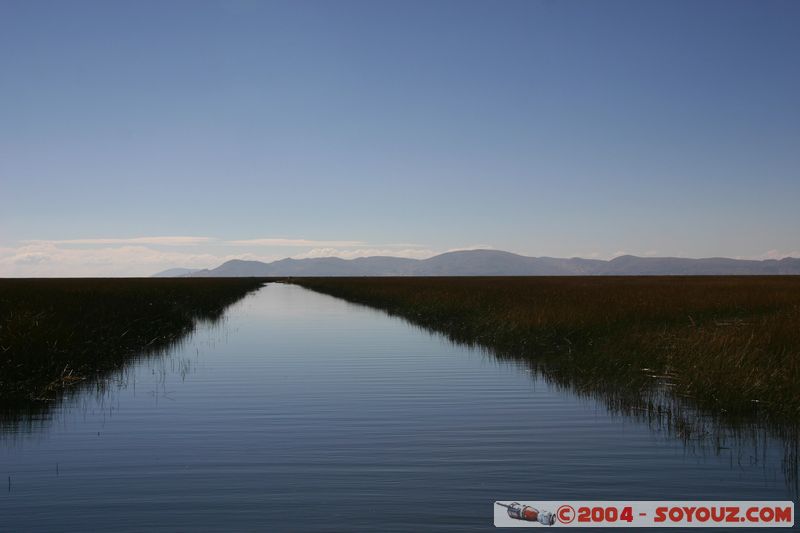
142	135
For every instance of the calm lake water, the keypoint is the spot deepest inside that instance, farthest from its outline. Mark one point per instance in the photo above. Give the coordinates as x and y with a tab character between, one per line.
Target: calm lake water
302	412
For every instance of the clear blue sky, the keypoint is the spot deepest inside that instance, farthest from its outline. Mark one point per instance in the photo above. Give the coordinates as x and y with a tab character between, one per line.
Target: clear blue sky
541	127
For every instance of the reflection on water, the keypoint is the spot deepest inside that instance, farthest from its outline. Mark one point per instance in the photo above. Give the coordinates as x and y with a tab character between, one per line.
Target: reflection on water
742	440
303	412
32	415
650	400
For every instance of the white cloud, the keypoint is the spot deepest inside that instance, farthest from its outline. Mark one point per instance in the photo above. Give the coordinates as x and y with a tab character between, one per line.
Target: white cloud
44	259
471	247
144	256
182	240
777	254
165	241
413	253
581	255
401	245
293	242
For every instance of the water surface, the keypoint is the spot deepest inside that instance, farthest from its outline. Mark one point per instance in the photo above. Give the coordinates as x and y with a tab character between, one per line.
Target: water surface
303	412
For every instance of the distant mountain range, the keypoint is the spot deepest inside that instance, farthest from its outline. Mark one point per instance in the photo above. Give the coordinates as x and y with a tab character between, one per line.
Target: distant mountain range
493	263
175	273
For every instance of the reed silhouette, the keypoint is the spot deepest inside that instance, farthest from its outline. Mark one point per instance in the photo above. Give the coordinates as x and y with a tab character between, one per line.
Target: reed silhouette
58	333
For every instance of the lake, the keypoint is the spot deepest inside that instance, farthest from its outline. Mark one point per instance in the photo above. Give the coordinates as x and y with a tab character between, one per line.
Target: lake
302	412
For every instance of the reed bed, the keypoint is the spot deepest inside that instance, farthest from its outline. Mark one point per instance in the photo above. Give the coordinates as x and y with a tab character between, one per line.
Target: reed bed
55	333
728	344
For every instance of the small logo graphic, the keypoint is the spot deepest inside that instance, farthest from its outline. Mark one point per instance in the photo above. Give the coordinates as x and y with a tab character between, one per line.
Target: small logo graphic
565	514
529	514
644	513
